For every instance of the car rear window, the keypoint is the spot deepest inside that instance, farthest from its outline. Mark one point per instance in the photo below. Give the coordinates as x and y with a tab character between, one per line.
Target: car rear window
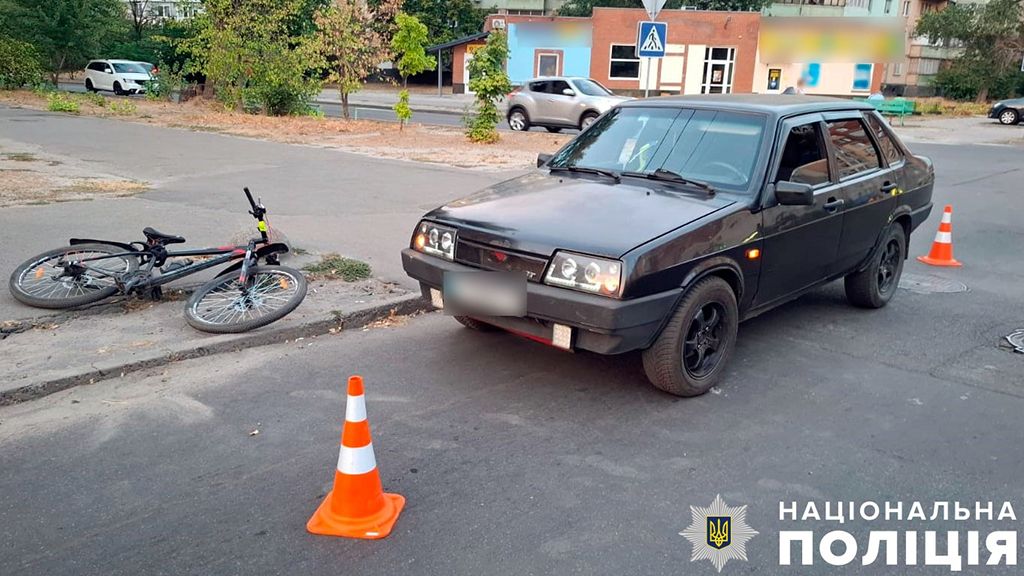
714	146
855	153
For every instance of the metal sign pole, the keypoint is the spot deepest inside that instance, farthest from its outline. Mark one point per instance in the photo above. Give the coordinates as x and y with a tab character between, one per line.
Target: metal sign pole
647	78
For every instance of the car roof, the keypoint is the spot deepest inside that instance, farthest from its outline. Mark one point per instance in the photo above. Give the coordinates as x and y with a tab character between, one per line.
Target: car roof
540	78
775	105
114	61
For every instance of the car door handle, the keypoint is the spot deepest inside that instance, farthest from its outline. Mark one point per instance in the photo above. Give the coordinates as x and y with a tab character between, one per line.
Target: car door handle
833	204
888	187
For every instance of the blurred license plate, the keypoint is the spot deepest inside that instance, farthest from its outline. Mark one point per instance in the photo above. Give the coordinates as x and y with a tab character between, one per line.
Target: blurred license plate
485	293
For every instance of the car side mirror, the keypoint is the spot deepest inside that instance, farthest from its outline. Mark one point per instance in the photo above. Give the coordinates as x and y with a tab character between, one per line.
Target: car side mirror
108	71
569	92
542	159
794	193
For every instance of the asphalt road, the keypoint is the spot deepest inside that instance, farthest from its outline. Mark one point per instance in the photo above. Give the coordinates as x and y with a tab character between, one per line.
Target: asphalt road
514	458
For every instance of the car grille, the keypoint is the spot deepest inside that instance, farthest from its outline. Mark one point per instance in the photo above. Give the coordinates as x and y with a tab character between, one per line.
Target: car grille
494	258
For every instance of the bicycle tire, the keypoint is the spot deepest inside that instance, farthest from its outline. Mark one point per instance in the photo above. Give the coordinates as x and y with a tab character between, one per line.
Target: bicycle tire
31	291
211	309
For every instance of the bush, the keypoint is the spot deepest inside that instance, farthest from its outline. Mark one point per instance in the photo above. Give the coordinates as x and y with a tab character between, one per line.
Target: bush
168	80
96	99
61	102
481	127
401	108
19	65
963	81
123	107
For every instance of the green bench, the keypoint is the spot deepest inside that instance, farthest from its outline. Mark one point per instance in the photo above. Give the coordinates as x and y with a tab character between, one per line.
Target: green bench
900	107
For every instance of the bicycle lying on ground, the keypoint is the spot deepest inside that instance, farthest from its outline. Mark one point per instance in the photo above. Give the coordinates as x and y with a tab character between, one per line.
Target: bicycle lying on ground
244	296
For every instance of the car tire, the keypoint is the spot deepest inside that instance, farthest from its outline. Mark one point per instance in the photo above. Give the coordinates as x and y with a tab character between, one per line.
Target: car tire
706	320
1009	117
117	89
875	285
474	324
89	87
587	119
553	129
518	120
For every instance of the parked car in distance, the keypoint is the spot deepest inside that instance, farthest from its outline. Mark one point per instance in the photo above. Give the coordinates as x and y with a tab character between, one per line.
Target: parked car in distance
1008	112
671	220
121	77
559	102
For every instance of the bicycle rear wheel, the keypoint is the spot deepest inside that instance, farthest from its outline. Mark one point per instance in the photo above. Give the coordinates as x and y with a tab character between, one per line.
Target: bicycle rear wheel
44	283
223	306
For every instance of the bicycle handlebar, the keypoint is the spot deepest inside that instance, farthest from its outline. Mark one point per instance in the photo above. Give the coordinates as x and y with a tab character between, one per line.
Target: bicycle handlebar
249	196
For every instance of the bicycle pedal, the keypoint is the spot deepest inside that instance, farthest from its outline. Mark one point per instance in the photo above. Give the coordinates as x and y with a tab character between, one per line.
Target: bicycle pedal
156	293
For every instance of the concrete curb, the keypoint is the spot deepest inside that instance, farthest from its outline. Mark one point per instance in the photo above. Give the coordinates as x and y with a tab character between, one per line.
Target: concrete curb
113	368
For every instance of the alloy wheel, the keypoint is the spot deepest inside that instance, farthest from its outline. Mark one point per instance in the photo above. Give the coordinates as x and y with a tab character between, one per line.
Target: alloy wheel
1008	117
517	121
888	267
704	340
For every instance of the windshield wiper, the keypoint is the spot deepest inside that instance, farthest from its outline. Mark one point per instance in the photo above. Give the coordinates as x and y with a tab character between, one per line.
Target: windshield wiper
613	175
669	176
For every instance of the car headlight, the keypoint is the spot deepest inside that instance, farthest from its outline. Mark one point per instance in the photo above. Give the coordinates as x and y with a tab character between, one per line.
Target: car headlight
585	273
435	240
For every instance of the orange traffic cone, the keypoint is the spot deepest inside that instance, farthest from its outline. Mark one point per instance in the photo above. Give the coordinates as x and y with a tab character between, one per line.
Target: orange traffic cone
942	248
357	507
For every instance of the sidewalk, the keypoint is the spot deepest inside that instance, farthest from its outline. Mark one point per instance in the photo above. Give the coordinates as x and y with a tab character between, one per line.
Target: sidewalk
447	103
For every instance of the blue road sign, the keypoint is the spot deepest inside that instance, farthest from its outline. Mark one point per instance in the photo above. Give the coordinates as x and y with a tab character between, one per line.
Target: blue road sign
650	39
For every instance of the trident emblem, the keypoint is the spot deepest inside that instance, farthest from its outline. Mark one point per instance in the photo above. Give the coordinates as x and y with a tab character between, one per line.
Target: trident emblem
718	532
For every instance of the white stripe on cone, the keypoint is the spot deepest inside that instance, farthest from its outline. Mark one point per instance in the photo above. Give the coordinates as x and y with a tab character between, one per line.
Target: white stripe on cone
355	409
356	460
947	217
944	237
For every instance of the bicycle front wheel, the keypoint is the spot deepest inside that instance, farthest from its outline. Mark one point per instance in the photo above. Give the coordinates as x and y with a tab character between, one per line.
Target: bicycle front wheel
44	282
224	306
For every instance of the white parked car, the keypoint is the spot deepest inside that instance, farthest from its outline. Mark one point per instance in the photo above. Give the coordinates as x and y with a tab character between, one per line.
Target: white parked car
119	76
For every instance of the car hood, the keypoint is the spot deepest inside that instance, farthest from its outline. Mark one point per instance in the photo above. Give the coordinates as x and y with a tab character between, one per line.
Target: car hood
1015	102
539	213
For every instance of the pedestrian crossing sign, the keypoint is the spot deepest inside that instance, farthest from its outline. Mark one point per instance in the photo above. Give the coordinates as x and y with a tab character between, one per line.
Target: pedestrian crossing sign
650	39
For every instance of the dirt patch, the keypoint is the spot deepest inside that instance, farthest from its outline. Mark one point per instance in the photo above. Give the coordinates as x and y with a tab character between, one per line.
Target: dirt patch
417	142
31	177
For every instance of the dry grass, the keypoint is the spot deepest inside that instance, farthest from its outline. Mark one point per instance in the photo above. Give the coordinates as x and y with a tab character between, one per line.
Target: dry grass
417	142
942	106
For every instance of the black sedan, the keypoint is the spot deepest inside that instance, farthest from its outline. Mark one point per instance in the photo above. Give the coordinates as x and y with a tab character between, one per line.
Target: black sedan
1008	112
671	220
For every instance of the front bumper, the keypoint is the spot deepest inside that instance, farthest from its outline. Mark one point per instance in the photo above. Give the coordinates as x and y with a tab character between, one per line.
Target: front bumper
995	111
601	324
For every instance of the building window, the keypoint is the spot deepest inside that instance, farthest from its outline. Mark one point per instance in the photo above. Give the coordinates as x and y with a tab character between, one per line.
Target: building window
718	67
547	64
888	7
928	66
623	63
897	69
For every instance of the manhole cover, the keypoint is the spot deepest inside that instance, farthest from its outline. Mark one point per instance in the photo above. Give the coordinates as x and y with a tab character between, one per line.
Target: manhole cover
1016	339
923	284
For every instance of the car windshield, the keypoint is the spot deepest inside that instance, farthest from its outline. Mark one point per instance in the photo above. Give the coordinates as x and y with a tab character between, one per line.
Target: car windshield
129	68
717	147
591	88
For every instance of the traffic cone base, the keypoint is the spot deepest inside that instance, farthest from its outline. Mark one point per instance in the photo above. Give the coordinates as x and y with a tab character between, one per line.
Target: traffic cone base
952	262
379	525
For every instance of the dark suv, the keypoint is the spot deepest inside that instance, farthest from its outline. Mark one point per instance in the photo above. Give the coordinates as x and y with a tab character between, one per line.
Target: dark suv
670	220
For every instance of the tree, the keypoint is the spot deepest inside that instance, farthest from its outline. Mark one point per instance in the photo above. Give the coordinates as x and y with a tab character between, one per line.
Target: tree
990	38
408	47
446	19
65	33
352	43
19	64
488	79
254	57
586	7
140	15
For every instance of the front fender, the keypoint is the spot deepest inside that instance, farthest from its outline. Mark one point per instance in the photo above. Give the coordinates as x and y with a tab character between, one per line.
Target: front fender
261	252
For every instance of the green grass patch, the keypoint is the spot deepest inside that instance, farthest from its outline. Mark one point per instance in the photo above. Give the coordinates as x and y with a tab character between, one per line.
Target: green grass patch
60	102
335	267
123	107
20	156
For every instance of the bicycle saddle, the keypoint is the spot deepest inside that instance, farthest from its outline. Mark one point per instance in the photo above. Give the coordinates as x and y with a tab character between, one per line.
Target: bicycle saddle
161	238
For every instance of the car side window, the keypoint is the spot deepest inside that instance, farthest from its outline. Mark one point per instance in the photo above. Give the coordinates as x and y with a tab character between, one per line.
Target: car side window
804	159
541	87
855	153
890	150
556	87
96	66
